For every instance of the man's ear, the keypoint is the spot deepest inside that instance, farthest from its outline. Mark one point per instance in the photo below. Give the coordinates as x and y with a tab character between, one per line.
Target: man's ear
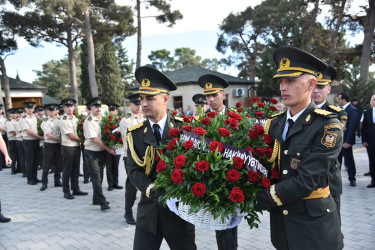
166	98
312	83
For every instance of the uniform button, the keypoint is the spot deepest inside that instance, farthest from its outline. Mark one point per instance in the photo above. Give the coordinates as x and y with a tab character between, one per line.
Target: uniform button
285	212
285	171
328	210
298	154
286	152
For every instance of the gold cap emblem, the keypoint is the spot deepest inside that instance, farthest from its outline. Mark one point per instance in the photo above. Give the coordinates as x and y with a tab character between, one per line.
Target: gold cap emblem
319	75
284	63
146	82
208	85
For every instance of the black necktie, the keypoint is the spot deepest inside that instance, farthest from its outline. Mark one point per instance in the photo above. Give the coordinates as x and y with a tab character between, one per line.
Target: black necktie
156	128
290	124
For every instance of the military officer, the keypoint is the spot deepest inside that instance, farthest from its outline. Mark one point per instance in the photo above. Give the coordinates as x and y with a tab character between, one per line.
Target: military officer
30	142
4	135
112	161
86	172
154	221
94	151
319	97
21	152
303	213
8	161
134	117
200	101
52	146
70	150
40	115
12	140
214	86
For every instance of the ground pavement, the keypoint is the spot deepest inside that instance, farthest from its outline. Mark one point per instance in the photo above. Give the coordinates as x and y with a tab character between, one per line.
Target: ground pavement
45	220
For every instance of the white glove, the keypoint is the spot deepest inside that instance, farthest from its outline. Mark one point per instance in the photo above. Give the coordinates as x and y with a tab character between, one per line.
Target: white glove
171	203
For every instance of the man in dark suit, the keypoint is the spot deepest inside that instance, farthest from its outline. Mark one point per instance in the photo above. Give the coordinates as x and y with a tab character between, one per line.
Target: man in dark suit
349	136
368	138
154	221
303	213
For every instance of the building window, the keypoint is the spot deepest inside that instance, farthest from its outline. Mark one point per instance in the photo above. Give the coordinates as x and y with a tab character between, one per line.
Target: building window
177	102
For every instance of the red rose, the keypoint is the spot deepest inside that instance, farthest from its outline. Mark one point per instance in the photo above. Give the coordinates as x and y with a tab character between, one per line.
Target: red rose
81	124
117	119
261	104
267	139
188	144
260	151
202	166
234	115
106	131
259	114
233	175
233	123
253	134
275	174
274	101
212	114
238	104
198	189
174	113
214	145
161	166
224	132
172	144
187	119
236	195
112	138
177	176
191	117
113	126
253	176
273	108
107	125
269	151
238	162
179	161
251	150
199	131
239	110
174	132
120	140
259	129
255	99
206	121
187	128
41	133
110	118
265	182
74	113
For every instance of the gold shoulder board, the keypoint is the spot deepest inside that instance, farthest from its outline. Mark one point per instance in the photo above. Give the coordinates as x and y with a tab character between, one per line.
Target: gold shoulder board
64	117
24	116
335	108
322	112
276	115
179	119
90	118
128	115
135	127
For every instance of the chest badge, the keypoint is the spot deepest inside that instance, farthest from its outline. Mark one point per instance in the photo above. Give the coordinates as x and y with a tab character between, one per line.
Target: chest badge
295	163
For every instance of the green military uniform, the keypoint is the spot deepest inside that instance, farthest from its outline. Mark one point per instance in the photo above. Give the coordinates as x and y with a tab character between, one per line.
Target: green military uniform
154	221
303	213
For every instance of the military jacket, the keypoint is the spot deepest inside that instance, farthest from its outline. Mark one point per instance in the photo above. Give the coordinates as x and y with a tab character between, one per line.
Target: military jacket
307	155
50	126
126	122
10	126
17	125
91	129
150	211
68	125
29	122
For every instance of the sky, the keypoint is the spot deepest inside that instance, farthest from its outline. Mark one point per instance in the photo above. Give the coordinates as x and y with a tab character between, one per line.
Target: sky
198	30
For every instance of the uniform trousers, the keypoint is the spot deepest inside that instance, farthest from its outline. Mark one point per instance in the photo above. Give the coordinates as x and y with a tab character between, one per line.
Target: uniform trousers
51	155
71	158
21	155
112	162
86	172
2	156
40	156
12	148
371	159
226	239
31	161
130	194
96	163
349	162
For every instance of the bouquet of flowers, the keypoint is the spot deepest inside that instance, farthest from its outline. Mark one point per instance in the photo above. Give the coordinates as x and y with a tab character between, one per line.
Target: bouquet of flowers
111	136
80	120
218	163
40	130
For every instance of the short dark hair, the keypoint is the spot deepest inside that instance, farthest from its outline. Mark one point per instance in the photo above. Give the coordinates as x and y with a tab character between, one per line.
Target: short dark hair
345	97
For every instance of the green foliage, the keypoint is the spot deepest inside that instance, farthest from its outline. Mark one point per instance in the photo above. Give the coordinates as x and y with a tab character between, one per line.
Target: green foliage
161	59
110	127
125	67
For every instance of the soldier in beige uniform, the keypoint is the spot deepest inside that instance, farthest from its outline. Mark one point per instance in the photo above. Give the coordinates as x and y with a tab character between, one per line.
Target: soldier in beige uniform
30	142
4	135
21	152
70	150
94	151
52	146
11	134
134	117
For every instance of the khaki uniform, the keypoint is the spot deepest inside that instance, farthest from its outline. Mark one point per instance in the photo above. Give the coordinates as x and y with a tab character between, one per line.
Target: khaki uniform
130	191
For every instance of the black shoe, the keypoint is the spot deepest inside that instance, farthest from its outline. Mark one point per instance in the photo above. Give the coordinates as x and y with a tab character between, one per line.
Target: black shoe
130	220
24	175
68	196
58	184
13	172
367	174
95	203
37	180
44	187
79	192
32	182
104	206
371	185
110	188
86	181
3	219
117	187
353	183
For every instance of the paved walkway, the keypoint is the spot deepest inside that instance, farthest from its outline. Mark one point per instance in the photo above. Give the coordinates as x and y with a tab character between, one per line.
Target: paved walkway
45	220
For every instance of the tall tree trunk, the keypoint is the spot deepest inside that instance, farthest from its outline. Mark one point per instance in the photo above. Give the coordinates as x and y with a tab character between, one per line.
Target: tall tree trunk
91	54
139	35
5	86
335	32
72	73
369	27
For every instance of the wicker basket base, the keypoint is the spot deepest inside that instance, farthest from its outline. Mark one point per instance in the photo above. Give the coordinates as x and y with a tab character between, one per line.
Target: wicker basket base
203	218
